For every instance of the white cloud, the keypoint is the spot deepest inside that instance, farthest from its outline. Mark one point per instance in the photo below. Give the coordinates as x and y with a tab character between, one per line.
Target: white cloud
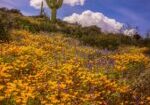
130	32
74	2
37	3
88	18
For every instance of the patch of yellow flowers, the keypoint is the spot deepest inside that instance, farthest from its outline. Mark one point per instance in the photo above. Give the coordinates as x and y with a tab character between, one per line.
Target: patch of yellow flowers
47	70
123	60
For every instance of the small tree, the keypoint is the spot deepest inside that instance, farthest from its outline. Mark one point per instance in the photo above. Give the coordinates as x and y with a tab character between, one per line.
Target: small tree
54	5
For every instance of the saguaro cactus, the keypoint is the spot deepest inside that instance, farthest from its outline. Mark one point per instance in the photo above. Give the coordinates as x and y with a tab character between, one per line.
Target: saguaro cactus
54	5
42	9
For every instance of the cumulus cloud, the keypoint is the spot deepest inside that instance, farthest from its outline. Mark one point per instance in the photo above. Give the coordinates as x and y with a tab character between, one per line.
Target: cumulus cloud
130	32
37	3
74	2
89	18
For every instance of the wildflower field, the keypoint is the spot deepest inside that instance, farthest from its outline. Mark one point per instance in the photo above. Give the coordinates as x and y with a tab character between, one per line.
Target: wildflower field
50	69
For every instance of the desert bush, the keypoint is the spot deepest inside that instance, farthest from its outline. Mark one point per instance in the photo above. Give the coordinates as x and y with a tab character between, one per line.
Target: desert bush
125	40
48	27
4	28
10	11
15	11
91	30
3	32
142	84
3	9
26	24
137	37
101	41
134	70
146	42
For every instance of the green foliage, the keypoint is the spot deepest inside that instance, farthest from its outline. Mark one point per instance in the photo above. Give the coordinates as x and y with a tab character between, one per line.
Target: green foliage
26	24
3	32
35	101
134	70
142	84
14	11
88	35
9	101
4	25
146	42
101	41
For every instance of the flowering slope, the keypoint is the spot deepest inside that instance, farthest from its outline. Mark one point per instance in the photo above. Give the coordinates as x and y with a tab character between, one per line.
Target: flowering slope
53	70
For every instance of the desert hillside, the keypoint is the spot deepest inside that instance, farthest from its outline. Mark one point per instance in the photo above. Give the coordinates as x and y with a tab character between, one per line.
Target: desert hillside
42	63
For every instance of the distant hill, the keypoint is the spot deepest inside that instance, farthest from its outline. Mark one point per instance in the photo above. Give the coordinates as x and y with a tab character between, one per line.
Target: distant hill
88	35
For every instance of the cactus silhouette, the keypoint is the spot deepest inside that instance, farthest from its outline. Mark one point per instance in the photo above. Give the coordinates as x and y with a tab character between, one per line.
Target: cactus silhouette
42	9
54	5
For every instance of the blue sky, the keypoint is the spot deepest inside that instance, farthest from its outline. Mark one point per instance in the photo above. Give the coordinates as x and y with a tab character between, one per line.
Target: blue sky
132	12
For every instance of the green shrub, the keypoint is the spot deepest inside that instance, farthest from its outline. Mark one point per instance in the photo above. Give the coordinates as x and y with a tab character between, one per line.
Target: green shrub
146	42
15	11
10	11
4	28
142	83
47	26
134	70
102	41
26	24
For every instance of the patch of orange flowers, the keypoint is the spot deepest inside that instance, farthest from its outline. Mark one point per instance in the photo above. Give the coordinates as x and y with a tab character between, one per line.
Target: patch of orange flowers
50	70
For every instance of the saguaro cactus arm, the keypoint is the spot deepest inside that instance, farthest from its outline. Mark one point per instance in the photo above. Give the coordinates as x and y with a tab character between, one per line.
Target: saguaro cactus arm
50	3
59	3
